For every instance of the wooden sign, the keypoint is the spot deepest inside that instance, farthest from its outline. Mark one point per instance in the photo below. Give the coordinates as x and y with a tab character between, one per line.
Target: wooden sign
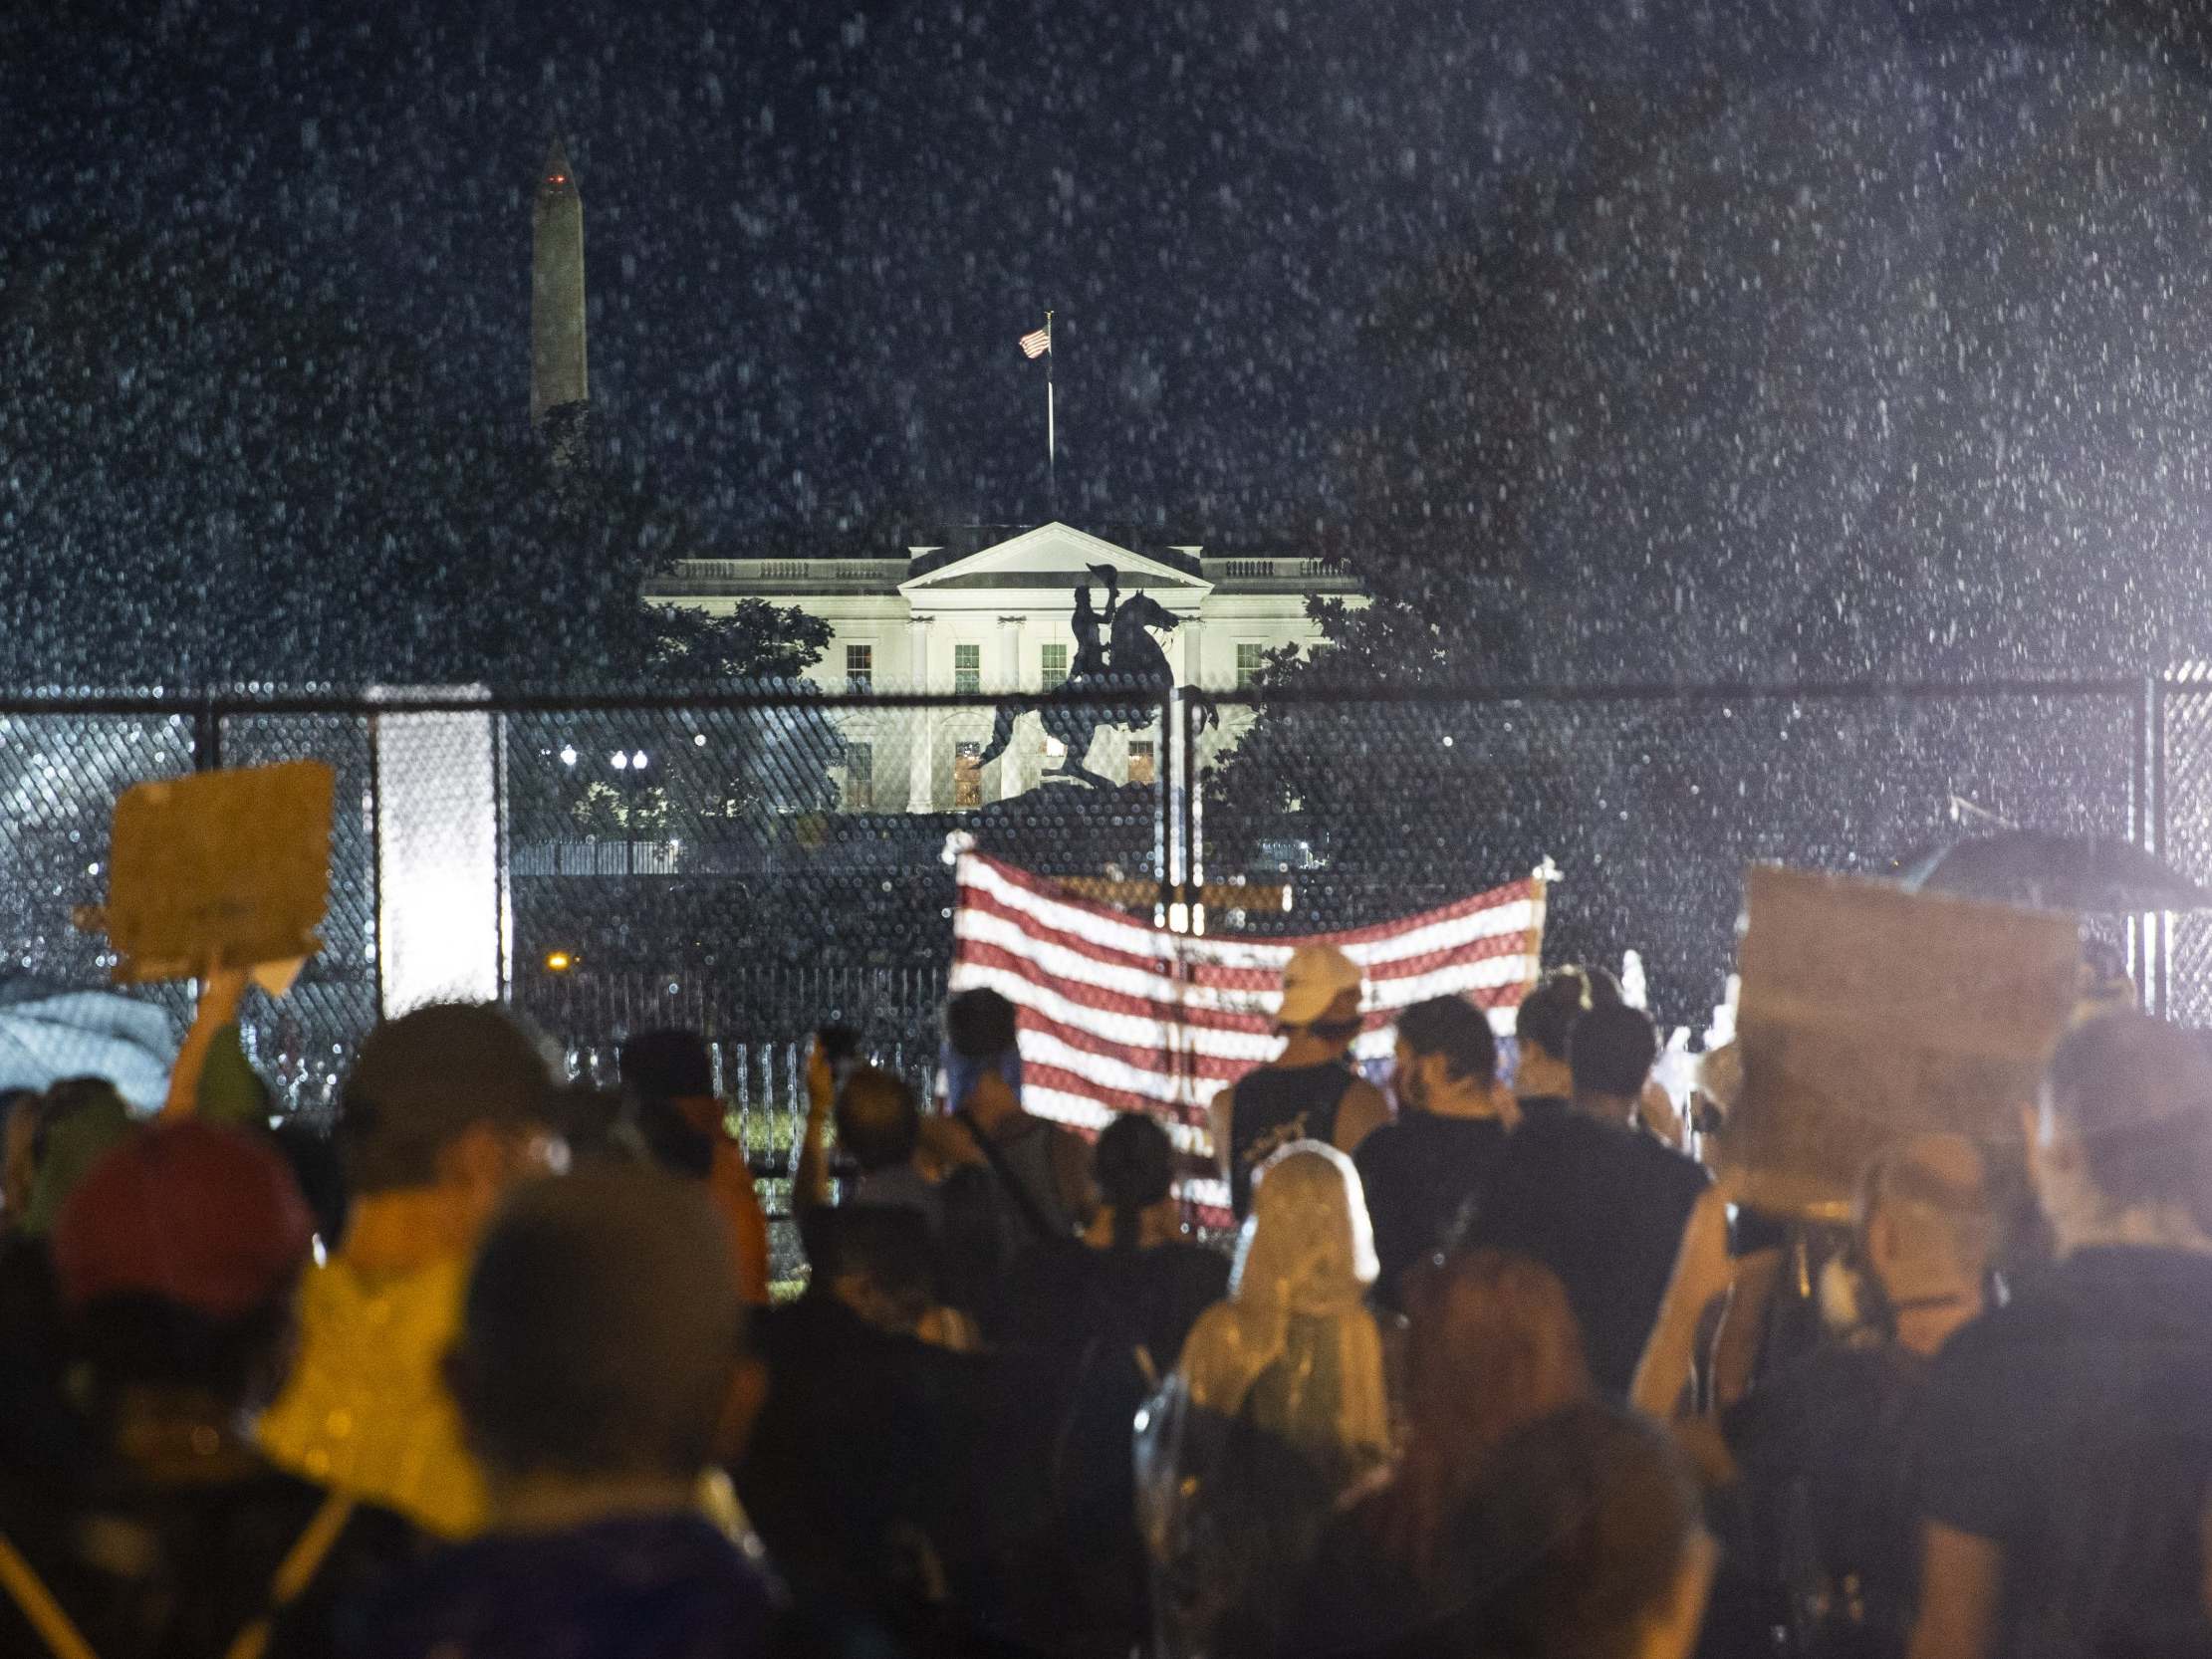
1867	1013
220	869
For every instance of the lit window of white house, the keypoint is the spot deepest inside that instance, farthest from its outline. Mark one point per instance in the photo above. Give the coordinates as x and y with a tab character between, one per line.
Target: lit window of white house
1140	761
967	775
967	668
1054	664
860	666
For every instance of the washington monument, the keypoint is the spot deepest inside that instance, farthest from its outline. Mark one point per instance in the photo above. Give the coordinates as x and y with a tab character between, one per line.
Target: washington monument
559	393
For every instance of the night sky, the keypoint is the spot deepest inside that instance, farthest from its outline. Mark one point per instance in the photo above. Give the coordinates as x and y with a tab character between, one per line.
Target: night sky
815	230
1851	241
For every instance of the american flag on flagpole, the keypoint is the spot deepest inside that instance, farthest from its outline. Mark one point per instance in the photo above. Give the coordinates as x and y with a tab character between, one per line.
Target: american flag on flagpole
1120	1015
1037	342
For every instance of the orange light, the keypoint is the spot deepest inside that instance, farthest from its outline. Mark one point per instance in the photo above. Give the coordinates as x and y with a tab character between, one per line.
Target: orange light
559	961
557	178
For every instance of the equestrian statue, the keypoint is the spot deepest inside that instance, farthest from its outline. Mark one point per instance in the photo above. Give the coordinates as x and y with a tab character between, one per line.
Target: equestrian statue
1129	659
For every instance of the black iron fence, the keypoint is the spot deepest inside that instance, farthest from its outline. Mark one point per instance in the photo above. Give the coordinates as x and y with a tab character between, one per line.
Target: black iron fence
754	865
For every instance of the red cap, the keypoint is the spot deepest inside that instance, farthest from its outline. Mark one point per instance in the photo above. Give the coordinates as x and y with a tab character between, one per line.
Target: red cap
207	1217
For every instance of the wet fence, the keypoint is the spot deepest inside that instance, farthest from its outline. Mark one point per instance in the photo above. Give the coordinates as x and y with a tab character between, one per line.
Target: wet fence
756	864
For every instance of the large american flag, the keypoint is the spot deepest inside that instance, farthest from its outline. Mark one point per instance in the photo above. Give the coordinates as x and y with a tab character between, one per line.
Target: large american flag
1037	342
1120	1015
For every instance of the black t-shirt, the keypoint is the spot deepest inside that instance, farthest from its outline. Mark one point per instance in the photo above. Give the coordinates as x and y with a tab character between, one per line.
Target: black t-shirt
2074	1430
1420	1173
1829	1504
1060	1292
1601	1206
1274	1107
164	1572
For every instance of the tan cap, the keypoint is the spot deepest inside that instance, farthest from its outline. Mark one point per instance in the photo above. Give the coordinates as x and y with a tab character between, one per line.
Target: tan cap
1314	977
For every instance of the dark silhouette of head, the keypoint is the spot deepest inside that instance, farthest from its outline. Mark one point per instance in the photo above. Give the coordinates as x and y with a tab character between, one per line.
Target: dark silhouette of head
2126	1119
1456	1029
1583	1536
600	1329
667	1079
980	1024
1133	1164
429	1078
1611	1053
1546	1016
878	1119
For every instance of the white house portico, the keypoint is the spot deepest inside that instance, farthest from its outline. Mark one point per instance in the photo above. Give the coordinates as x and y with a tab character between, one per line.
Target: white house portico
994	613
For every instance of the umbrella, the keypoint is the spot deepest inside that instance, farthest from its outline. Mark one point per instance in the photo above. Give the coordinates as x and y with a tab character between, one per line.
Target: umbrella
2092	874
48	1032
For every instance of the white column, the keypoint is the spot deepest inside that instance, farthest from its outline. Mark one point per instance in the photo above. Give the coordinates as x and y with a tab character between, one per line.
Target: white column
922	787
1013	765
439	919
1193	636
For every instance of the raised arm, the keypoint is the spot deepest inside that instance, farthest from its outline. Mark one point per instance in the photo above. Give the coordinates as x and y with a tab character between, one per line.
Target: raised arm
810	1185
1701	1272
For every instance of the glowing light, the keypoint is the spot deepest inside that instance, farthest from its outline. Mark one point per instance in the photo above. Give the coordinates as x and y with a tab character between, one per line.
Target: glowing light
698	740
568	754
559	962
438	835
639	760
618	761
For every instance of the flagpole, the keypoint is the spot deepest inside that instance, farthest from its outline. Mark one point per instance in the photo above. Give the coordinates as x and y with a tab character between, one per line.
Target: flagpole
1052	445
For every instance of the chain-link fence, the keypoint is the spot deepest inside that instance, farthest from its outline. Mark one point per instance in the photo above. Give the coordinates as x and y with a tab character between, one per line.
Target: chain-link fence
753	866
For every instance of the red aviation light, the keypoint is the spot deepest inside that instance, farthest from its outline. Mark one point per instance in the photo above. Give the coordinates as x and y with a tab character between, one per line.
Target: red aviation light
556	178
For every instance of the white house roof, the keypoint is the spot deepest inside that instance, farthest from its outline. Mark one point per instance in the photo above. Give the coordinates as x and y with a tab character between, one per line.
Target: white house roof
1053	556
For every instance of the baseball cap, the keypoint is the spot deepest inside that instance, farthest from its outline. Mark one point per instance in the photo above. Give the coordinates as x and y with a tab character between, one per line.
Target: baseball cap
1314	977
206	1217
426	1079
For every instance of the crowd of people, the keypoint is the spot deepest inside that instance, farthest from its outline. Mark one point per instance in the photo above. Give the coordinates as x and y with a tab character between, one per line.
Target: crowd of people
1488	1368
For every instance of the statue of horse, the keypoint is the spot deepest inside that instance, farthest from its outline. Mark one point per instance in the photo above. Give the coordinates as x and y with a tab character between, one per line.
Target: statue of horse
1135	663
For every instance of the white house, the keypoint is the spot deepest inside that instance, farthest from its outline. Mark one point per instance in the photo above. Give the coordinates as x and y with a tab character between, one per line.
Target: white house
993	614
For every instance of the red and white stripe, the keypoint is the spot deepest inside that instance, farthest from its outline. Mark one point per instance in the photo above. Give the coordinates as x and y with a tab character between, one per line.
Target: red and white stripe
1037	342
1120	1015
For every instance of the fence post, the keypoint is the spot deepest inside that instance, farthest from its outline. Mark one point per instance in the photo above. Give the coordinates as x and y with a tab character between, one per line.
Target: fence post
207	737
2155	825
1168	854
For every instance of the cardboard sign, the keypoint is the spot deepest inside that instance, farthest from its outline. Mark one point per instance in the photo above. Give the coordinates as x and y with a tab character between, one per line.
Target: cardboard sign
221	869
1867	1013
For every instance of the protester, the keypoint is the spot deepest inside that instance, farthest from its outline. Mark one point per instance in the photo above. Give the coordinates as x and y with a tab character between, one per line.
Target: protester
1419	1171
1493	1345
67	1131
1042	1169
1133	1278
1588	1544
1605	1207
1307	1092
443	1111
879	1124
1824	1460
1543	1030
2069	1441
177	1257
668	1086
19	1122
843	1470
599	1373
1278	1406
